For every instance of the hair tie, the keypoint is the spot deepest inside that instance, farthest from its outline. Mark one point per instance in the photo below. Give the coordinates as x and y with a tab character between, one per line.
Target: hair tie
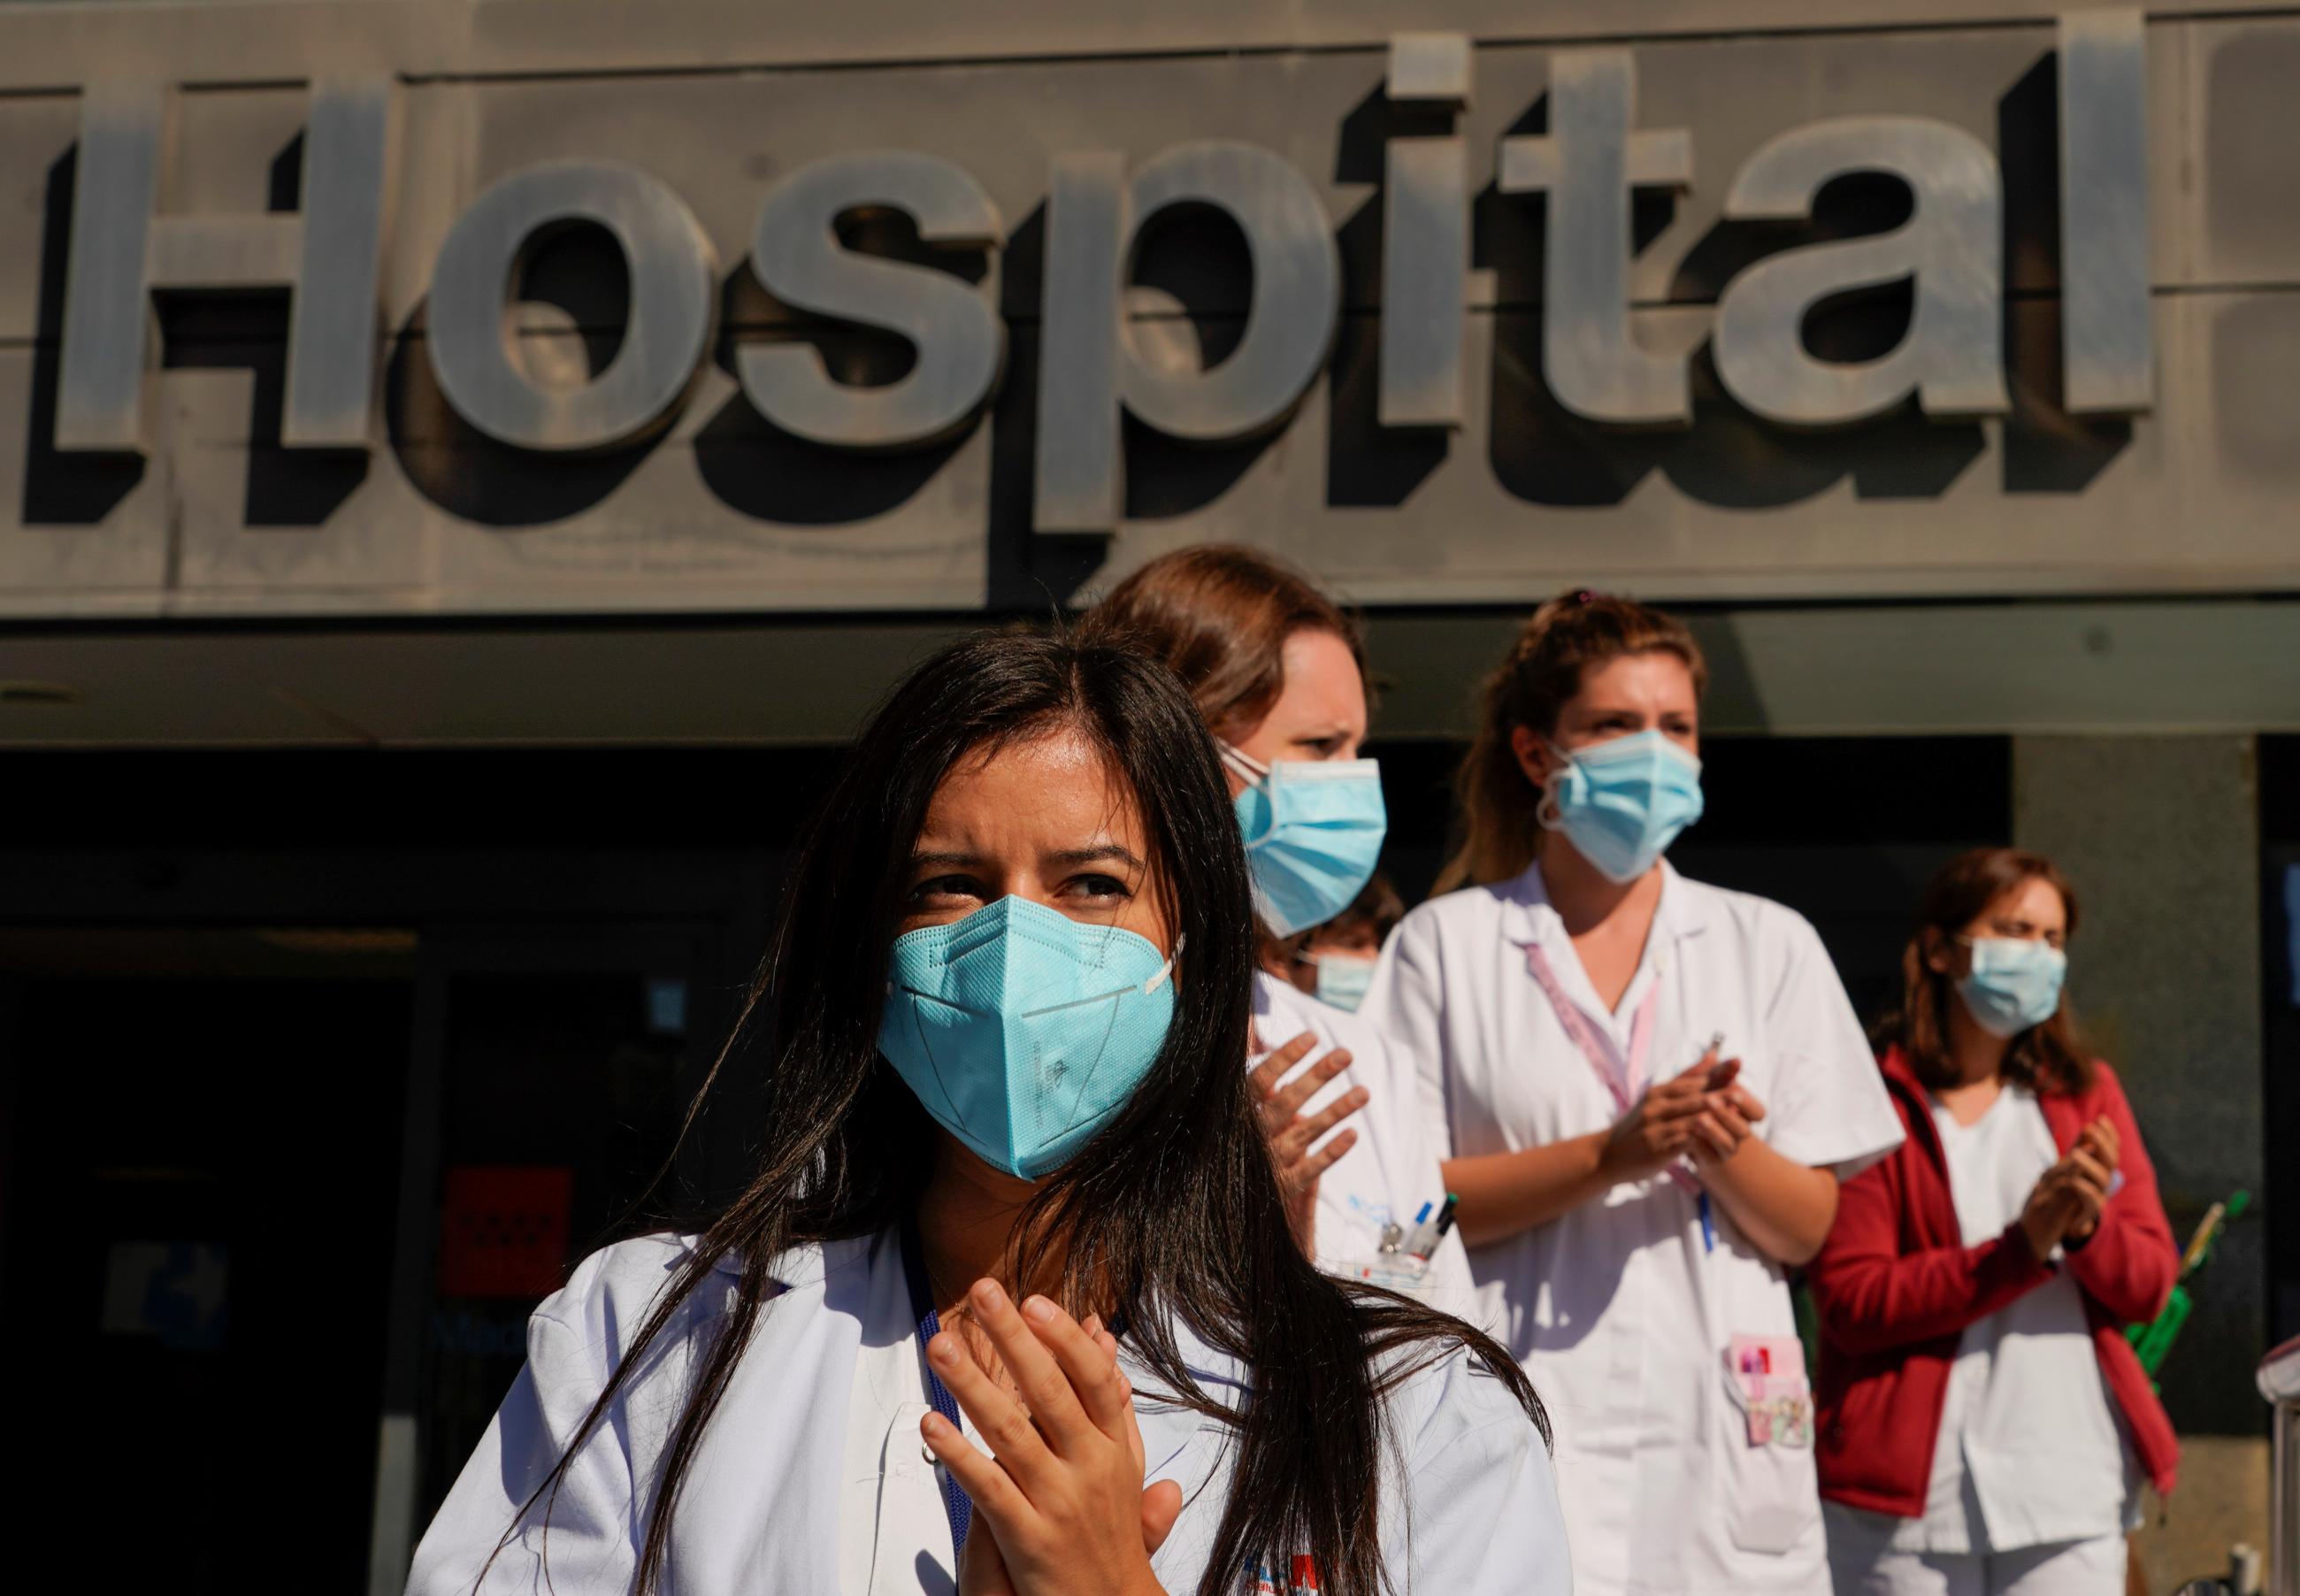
1585	596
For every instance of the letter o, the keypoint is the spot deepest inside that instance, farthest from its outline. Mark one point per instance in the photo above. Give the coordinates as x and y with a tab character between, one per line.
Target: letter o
674	278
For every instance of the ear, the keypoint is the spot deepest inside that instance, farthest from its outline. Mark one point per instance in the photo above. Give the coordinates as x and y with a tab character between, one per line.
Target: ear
1532	751
1941	953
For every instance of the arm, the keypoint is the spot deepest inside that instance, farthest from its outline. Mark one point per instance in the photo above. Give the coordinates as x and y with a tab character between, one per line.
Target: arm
2130	1261
591	1520
1781	1204
1872	1297
1504	1193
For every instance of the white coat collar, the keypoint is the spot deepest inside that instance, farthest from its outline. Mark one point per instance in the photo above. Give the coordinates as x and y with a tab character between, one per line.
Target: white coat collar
1529	920
1166	1429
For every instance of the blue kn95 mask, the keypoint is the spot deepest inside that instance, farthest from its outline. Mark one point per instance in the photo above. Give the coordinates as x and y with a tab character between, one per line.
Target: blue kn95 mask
1023	1031
1313	831
1623	801
2014	983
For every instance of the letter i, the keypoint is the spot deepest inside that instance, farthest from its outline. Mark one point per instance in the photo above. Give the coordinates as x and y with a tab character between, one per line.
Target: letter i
1425	240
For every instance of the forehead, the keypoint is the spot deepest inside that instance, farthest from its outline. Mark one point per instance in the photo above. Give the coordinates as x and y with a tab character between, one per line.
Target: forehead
1053	791
2035	901
1656	677
1322	680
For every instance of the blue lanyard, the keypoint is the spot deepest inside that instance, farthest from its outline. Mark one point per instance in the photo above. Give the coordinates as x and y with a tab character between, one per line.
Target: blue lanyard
955	1502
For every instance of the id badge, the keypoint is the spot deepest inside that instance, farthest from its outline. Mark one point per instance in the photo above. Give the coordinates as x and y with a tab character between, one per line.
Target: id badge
1765	1375
1399	1271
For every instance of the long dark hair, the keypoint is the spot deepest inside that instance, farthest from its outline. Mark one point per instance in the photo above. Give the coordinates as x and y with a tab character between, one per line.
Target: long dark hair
2046	1057
1171	1213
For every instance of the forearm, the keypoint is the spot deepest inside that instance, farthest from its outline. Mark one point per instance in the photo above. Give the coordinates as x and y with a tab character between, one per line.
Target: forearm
1504	1193
1785	1208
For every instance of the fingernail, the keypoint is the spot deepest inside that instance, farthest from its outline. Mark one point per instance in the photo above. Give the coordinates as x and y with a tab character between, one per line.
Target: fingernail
1037	1310
944	1348
933	1425
989	1297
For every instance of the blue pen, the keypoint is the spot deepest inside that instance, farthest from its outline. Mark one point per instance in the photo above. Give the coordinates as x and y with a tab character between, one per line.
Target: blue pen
1709	1225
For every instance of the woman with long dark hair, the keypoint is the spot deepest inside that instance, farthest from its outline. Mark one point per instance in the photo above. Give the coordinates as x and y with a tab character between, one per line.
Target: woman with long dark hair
1012	1204
1651	1087
1277	670
1985	1426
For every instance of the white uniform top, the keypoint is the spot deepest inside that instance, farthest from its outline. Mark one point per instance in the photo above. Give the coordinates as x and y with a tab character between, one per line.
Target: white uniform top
2029	1449
1391	1173
1469	1502
1617	1310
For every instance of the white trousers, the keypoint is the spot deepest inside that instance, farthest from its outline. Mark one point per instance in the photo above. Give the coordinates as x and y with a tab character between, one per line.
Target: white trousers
2094	1568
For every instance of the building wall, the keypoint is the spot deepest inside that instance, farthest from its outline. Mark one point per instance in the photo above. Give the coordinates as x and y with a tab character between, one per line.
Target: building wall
718	509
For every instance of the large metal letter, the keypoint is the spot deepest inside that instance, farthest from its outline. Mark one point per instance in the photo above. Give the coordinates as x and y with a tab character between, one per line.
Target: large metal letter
954	327
1425	240
1297	294
1290	326
1951	356
2107	342
1080	479
327	256
673	306
1587	165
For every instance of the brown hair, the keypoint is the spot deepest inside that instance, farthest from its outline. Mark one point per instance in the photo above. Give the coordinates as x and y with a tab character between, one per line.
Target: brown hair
1543	670
2045	1057
1218	616
1376	907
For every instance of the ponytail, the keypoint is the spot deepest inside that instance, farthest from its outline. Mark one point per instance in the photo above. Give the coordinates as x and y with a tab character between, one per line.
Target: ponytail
1541	673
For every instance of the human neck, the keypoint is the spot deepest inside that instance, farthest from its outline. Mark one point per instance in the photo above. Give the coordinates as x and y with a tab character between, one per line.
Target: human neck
1976	1058
1584	897
967	1217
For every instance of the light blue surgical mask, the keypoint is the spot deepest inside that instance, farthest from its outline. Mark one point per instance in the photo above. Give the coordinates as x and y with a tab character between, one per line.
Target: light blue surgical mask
2014	982
1023	1031
1623	801
1343	978
1313	831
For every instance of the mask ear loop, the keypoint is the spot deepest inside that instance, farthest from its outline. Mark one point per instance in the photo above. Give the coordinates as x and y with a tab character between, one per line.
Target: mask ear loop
1247	768
1166	969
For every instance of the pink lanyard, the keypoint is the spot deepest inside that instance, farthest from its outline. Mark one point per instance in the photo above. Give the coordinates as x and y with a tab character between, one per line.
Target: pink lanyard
1626	1082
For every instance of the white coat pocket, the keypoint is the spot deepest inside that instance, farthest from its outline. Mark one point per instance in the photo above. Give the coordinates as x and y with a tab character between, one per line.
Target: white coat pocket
1766	1406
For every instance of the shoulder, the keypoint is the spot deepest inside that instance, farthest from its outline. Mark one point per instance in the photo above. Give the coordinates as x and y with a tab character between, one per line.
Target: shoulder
1457	1400
1468	913
1760	922
612	1294
2105	1094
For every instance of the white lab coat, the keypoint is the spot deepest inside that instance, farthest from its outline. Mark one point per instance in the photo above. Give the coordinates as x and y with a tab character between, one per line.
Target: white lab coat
1391	1173
1618	1310
768	1504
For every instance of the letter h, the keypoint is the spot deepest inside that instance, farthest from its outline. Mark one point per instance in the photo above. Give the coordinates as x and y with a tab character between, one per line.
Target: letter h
328	258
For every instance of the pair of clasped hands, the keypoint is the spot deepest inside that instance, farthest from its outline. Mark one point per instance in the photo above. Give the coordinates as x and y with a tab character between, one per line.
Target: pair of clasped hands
2064	1206
1059	1504
1702	1113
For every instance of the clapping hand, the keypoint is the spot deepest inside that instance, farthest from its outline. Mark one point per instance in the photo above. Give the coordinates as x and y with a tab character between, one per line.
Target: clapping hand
1059	1506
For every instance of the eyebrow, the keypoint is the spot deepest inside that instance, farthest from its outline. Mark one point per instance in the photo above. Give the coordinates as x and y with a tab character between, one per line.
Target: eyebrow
1074	855
1094	855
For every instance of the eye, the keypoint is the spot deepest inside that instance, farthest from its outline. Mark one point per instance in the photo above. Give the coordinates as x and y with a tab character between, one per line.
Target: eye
945	887
1097	888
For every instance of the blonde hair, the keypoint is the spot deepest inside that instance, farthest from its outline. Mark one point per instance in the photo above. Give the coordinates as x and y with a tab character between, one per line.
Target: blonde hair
1542	671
